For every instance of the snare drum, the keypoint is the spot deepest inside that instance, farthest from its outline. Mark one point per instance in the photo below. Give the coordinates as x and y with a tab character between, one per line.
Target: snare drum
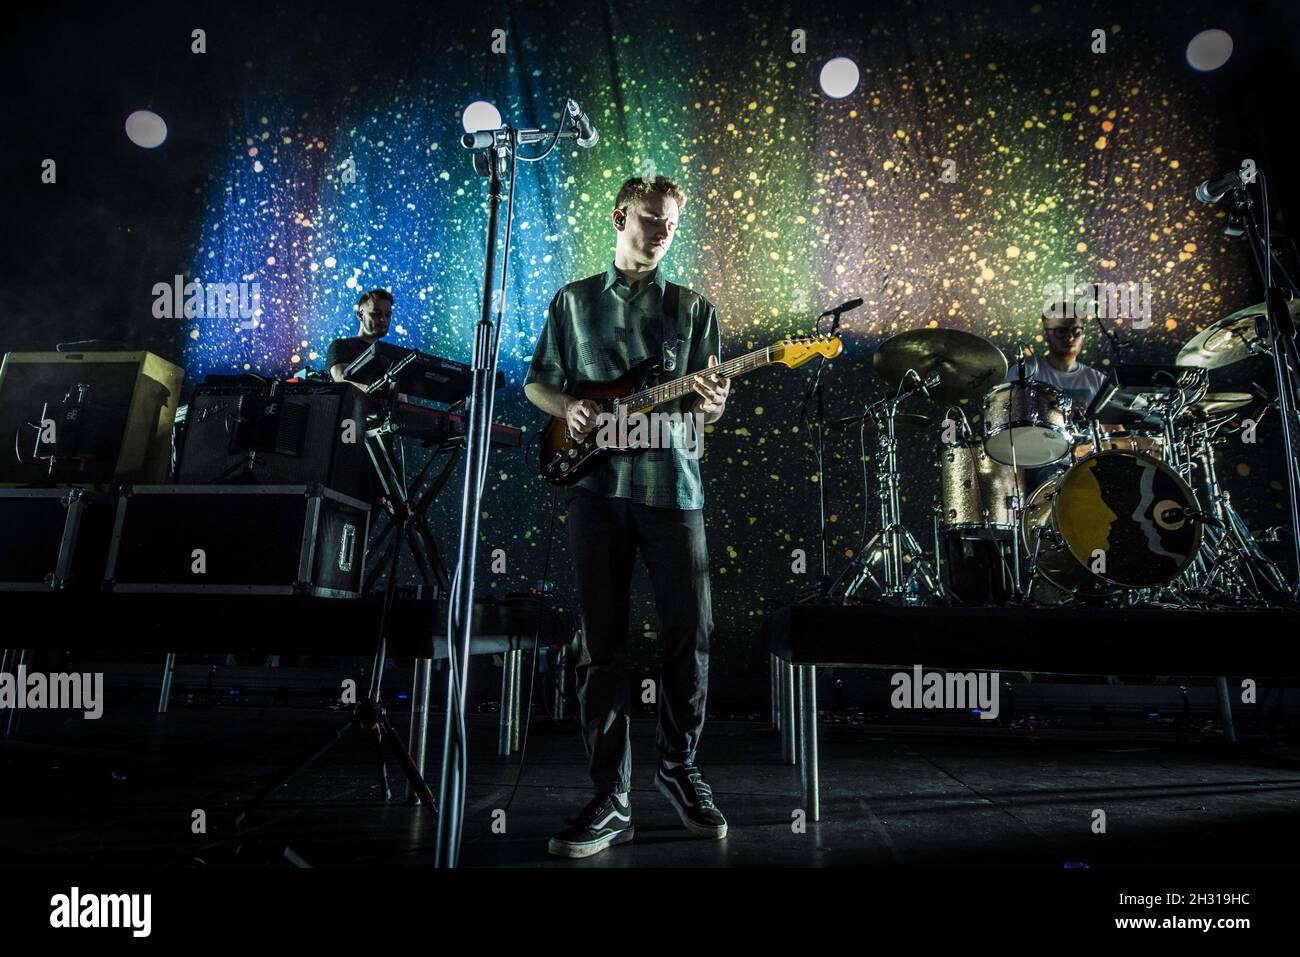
1030	419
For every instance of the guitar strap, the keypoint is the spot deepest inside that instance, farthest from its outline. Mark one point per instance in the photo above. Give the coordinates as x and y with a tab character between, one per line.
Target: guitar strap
670	344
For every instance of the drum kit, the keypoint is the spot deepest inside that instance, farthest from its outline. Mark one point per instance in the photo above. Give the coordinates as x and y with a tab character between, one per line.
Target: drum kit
1042	501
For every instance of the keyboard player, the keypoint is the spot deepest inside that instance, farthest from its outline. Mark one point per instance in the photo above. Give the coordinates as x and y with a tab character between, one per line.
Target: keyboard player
374	315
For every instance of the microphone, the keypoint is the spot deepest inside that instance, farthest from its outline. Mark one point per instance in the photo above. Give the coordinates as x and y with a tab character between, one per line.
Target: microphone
1213	190
843	307
924	385
482	139
587	135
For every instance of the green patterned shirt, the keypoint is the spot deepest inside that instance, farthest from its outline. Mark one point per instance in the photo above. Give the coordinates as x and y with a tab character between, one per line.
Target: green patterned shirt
596	330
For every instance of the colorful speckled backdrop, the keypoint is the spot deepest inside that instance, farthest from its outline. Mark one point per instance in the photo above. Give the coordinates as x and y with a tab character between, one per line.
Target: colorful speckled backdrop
1062	161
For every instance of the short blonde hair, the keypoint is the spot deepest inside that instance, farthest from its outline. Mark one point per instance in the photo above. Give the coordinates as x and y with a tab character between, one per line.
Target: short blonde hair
635	190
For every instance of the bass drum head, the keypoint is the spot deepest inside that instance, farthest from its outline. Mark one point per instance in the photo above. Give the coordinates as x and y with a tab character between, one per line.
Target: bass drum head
1124	516
1055	563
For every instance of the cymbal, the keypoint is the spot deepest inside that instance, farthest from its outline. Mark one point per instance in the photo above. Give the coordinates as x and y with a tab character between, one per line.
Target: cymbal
967	365
1228	340
1216	402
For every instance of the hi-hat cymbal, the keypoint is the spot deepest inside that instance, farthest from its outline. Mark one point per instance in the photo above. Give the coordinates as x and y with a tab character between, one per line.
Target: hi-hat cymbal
1228	340
967	365
1216	402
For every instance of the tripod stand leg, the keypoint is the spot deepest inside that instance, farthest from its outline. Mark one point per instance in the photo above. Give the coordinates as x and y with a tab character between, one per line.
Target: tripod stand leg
279	782
1225	709
19	659
384	788
165	695
419	732
389	735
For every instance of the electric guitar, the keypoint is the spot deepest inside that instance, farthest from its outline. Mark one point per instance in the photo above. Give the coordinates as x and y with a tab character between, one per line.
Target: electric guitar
564	459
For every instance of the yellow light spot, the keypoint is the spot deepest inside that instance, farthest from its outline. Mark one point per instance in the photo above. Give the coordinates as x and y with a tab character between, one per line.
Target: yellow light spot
1081	247
1101	143
1013	252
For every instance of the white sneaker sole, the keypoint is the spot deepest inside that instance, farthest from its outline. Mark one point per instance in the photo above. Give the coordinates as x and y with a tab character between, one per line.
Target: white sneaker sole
699	830
561	849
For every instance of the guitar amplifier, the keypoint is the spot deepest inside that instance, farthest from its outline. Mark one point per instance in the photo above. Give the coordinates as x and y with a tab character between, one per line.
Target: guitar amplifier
117	429
53	539
238	539
294	434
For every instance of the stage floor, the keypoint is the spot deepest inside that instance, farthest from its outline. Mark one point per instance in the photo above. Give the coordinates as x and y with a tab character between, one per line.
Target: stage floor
122	792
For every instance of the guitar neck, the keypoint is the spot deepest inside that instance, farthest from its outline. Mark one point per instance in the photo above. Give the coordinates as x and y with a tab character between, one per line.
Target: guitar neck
677	388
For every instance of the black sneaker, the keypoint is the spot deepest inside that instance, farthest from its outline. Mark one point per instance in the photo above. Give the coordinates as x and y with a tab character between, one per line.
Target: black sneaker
693	800
604	822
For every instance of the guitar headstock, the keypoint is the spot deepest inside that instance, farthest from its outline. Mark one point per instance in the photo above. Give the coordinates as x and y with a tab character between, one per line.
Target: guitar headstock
795	352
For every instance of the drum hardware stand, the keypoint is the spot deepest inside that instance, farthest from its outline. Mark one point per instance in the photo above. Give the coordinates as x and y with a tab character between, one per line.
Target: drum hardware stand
1228	546
896	542
1276	326
1019	594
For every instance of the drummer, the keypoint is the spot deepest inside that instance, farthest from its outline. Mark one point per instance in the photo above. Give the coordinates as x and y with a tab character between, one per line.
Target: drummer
1061	367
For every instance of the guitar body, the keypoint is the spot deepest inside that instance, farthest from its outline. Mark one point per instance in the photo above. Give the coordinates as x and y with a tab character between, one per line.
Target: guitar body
563	460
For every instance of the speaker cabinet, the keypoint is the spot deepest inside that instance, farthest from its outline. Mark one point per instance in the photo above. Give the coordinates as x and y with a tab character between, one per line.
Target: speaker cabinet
125	423
300	434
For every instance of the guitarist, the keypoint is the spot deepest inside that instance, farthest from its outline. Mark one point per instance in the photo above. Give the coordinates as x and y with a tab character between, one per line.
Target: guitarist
597	329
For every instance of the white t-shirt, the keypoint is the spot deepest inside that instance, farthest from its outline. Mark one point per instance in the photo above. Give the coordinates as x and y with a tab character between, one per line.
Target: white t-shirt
1080	385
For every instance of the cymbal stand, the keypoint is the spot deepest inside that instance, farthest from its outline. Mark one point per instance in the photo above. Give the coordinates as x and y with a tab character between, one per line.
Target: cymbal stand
1230	558
896	543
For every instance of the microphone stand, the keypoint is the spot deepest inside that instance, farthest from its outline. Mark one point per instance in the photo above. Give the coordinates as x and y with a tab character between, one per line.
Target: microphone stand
1276	326
816	389
490	160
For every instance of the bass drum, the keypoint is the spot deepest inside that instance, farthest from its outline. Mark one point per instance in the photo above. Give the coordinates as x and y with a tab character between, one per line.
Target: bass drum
1130	517
1117	519
1056	565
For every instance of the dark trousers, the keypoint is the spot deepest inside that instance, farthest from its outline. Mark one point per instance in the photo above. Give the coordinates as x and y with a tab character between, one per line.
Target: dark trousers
604	536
